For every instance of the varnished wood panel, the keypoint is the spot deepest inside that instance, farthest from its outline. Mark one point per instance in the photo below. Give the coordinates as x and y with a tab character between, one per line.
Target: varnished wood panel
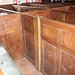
12	24
30	53
69	40
11	34
28	33
14	43
27	23
67	64
64	14
58	15
70	18
50	32
57	54
49	58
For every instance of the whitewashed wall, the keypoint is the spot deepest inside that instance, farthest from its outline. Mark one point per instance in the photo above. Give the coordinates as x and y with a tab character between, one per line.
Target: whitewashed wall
2	2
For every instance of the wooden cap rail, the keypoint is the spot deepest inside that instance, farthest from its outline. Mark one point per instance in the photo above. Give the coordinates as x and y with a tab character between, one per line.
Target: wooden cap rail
37	43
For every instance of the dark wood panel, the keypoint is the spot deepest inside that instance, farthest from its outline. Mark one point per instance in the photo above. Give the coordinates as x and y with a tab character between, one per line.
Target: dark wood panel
58	15
8	6
72	8
70	18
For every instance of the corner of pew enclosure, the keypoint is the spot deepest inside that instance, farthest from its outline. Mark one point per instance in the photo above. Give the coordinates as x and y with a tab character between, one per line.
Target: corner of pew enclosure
11	35
37	42
58	50
28	33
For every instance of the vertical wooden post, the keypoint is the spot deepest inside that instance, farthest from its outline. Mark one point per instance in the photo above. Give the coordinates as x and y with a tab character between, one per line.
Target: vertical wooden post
37	42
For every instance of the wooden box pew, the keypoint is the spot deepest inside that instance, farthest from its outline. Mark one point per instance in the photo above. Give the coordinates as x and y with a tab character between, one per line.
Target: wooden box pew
6	12
52	5
66	8
11	36
58	15
21	8
72	8
38	6
27	20
57	47
70	17
63	14
54	42
7	6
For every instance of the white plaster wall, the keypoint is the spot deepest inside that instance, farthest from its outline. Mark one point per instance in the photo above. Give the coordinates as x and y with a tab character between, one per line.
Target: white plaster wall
2	2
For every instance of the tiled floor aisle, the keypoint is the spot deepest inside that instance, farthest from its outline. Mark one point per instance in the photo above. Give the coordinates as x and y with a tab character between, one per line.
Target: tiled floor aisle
26	67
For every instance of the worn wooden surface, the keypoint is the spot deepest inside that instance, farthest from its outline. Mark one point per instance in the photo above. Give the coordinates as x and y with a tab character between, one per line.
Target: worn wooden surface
26	67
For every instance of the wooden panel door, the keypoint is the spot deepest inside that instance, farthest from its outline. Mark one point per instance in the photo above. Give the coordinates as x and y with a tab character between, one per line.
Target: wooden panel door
28	31
49	52
30	53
